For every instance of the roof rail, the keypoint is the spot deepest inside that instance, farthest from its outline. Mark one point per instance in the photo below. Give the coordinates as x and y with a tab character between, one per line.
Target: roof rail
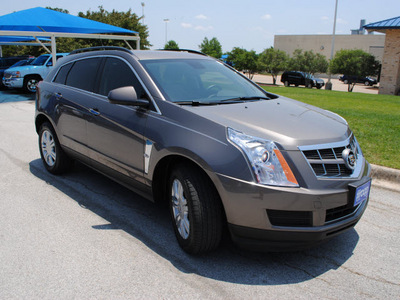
185	50
99	48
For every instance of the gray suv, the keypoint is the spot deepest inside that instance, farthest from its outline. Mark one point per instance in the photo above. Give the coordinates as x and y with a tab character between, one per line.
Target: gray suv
188	130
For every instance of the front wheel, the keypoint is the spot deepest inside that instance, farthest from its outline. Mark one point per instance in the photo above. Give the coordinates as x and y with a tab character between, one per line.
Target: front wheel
196	210
366	83
30	83
53	157
287	83
310	85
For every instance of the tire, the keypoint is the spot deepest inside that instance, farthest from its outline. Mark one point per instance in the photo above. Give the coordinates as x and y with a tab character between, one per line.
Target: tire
345	81
287	83
30	83
310	86
366	83
195	209
53	157
319	86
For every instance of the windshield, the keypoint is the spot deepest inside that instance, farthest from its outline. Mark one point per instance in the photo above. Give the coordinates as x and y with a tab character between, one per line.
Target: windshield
40	60
200	81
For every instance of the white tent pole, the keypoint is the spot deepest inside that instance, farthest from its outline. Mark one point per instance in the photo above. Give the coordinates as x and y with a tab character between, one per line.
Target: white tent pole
53	48
43	45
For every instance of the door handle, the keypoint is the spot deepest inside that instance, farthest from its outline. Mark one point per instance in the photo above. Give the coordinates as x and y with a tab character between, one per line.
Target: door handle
58	96
94	111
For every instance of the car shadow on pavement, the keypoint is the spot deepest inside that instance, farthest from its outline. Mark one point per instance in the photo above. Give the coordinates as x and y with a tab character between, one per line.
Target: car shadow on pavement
150	223
7	95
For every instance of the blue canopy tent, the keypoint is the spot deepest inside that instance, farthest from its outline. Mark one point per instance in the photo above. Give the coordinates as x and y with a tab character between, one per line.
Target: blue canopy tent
40	22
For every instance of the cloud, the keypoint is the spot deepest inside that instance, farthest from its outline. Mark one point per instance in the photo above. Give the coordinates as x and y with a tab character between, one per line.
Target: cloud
266	17
325	18
341	21
203	28
186	25
201	17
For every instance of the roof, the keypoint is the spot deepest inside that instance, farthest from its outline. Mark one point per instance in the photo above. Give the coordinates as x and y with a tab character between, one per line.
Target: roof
381	26
47	20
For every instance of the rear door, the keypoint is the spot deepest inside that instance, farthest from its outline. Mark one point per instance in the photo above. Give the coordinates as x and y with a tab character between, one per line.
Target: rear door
74	92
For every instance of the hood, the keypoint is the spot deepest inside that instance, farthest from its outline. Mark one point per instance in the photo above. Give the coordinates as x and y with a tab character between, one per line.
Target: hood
285	121
23	68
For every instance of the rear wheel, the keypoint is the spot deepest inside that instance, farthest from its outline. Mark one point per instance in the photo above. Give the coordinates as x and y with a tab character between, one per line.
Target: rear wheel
196	210
30	83
287	83
53	157
366	83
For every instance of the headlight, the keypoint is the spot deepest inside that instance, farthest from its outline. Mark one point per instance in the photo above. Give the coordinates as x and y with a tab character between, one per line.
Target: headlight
15	74
268	164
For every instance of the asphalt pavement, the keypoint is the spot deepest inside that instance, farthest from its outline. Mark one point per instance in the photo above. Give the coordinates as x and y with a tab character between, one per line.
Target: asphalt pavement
83	236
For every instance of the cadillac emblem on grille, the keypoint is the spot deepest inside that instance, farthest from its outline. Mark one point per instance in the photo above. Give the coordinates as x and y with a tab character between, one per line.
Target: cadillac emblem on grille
349	158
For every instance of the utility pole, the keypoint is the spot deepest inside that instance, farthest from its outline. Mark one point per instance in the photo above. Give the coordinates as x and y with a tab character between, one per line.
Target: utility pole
328	85
142	13
166	30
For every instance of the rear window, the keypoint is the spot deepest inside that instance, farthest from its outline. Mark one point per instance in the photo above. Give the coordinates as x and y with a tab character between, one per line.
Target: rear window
82	74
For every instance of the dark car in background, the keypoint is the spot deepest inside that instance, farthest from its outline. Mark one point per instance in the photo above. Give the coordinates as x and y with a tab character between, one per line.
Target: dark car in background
301	78
358	79
7	62
224	154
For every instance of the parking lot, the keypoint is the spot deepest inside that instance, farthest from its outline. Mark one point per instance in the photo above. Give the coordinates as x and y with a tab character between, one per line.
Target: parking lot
83	236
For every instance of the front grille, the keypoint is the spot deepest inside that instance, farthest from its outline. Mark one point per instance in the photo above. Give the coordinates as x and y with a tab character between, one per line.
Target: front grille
340	212
327	161
290	218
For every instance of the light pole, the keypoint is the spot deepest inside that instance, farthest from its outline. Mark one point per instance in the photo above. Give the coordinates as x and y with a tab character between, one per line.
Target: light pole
166	32
142	13
328	85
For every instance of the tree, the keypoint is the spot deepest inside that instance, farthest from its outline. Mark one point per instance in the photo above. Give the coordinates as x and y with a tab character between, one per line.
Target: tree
273	61
308	61
244	60
354	62
211	47
171	45
127	20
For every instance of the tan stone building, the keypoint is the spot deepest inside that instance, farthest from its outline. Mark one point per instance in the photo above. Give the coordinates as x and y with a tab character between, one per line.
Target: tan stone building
371	43
390	74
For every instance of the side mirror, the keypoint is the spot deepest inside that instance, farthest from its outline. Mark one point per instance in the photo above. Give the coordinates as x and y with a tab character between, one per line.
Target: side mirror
126	96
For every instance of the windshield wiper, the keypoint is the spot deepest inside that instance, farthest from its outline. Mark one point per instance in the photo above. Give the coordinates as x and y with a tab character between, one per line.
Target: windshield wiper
243	99
194	103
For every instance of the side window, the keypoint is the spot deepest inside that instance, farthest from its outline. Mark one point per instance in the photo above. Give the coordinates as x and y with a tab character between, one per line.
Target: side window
83	74
62	74
116	73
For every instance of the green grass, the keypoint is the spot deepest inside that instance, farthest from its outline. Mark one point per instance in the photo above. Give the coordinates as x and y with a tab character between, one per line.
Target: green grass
374	119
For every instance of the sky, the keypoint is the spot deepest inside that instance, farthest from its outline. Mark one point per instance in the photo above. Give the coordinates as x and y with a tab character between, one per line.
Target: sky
248	24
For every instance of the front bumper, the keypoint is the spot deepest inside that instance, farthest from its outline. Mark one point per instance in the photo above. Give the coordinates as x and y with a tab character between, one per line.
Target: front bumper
13	82
274	219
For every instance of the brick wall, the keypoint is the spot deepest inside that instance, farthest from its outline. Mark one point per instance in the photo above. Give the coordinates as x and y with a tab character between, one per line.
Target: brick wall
390	74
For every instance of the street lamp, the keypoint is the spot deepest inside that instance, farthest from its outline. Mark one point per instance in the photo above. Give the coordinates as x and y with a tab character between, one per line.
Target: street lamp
166	35
142	13
328	85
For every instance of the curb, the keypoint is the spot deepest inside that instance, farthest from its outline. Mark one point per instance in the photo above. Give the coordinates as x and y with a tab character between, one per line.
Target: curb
386	177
